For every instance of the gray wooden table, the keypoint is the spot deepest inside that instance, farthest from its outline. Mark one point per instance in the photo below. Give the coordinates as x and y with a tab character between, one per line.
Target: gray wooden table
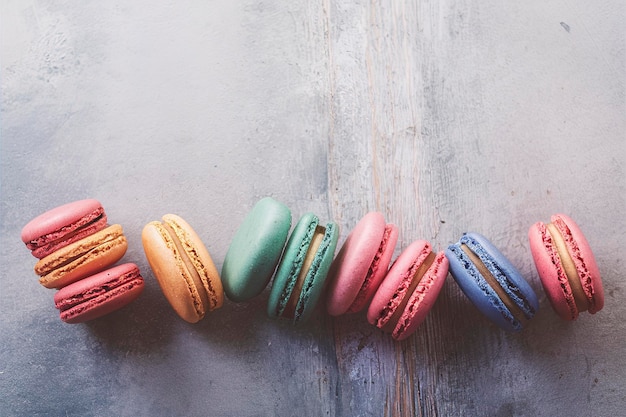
446	116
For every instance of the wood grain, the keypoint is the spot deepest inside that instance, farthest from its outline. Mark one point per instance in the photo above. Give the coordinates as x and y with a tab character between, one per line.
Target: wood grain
415	135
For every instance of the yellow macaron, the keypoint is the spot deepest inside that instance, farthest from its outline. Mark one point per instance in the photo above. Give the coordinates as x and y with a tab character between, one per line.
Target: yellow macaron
82	258
183	267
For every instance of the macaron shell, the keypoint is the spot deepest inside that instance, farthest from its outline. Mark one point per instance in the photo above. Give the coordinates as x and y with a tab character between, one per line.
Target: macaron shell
99	294
585	261
255	250
82	258
348	272
171	272
62	226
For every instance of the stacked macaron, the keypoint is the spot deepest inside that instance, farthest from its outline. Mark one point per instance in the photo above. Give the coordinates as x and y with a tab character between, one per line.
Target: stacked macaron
75	245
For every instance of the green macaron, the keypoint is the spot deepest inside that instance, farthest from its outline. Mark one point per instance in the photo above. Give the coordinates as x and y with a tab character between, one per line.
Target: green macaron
255	250
302	272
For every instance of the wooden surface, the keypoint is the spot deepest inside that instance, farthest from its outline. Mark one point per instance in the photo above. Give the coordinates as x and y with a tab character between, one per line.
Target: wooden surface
447	116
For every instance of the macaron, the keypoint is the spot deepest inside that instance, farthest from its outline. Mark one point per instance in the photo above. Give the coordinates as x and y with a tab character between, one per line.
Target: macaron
566	266
361	264
491	282
303	269
409	290
99	294
62	226
82	258
183	267
255	250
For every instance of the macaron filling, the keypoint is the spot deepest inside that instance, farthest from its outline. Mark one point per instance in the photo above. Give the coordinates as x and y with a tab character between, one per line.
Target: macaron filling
364	292
517	313
289	309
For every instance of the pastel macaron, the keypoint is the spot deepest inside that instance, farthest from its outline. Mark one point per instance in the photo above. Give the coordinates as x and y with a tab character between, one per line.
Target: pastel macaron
255	250
491	282
361	264
566	266
183	267
82	258
303	269
99	294
62	226
409	290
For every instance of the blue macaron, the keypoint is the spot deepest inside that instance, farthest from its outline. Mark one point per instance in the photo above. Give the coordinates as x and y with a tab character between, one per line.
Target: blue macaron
491	282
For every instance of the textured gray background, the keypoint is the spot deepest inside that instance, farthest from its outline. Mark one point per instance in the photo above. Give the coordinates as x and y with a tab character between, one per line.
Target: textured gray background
448	116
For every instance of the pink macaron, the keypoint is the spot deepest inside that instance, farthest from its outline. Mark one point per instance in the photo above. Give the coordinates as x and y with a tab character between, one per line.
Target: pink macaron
409	290
99	294
566	266
361	264
62	226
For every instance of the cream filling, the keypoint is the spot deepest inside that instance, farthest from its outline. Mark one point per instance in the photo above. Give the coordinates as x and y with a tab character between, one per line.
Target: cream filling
495	285
316	241
569	267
